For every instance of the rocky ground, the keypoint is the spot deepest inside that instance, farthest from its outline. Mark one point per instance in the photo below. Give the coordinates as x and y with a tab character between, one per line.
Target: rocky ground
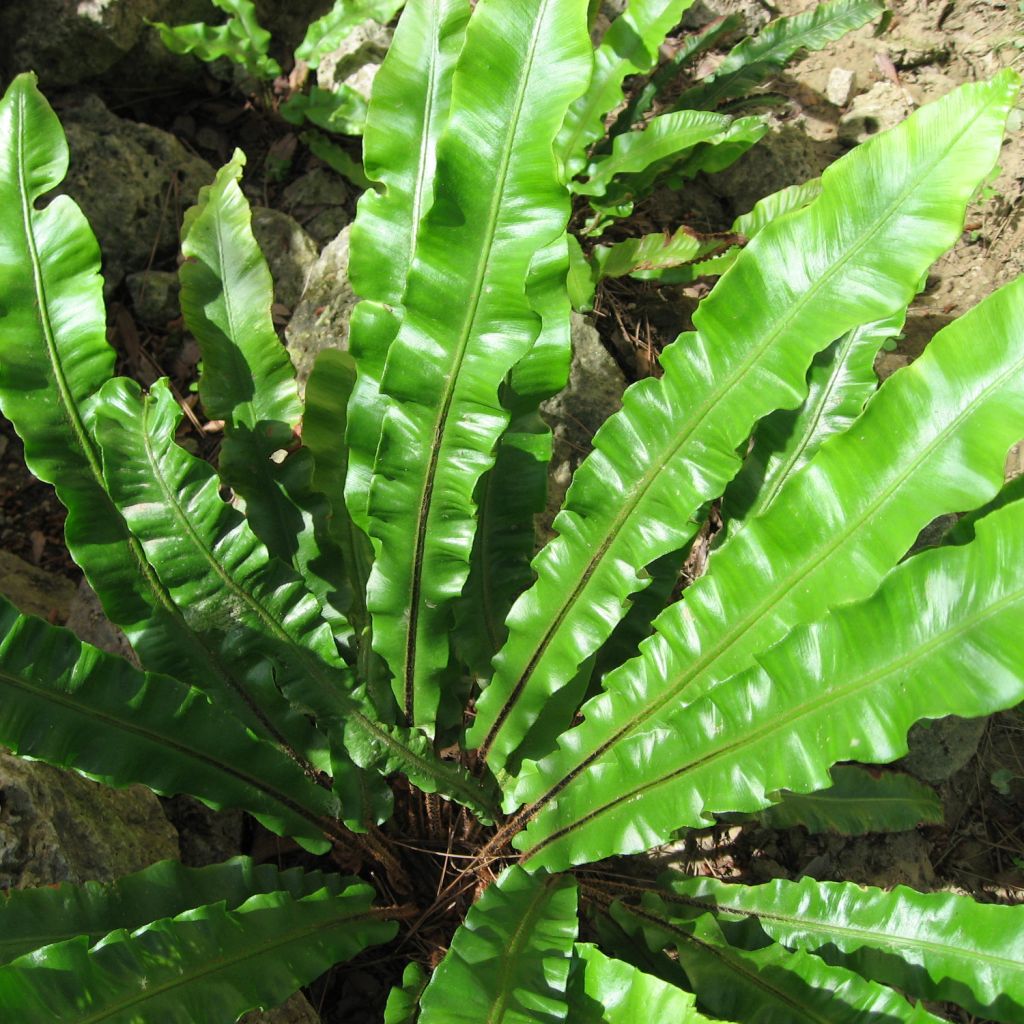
147	129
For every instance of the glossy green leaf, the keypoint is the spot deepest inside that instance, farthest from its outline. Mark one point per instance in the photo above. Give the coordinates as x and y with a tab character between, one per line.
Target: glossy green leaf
630	47
839	383
859	801
770	985
666	137
963	531
959	406
341	110
404	1000
497	201
847	686
938	946
336	157
230	591
607	991
327	33
72	705
653	252
247	377
241	39
771	207
53	360
206	966
801	282
761	56
514	491
31	918
408	109
252	605
509	962
670	69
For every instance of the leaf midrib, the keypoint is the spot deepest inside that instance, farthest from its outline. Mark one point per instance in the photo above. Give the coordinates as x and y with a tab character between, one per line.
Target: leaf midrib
628	508
424	506
694	670
791	716
869	937
215	964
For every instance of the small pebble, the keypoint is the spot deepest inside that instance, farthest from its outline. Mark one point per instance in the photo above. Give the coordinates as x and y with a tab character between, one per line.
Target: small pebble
840	86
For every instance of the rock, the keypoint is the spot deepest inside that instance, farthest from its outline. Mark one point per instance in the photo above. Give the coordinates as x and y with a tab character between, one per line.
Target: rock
593	393
288	250
783	157
940	748
205	836
840	85
34	591
356	61
883	106
88	622
296	1011
132	181
56	826
755	14
287	22
67	42
154	296
318	201
321	318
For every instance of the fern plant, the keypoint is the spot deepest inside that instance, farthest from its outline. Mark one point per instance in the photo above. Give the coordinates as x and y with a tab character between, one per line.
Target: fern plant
359	651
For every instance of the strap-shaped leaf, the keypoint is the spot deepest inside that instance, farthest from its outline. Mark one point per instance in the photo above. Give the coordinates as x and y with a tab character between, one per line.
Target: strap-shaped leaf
241	39
341	110
408	110
840	381
514	491
669	70
72	705
666	137
327	33
31	918
206	966
654	252
264	620
53	359
467	321
963	531
938	946
848	686
248	382
770	985
404	1000
861	502
630	47
760	57
859	801
607	991
801	282
229	589
509	962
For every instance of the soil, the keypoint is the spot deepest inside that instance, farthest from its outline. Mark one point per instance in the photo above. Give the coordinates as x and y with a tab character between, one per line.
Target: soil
928	48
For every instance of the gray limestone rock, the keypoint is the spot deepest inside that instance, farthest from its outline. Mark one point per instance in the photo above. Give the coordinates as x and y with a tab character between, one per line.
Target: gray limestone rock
154	296
34	591
288	250
356	61
939	749
321	318
56	826
136	210
883	106
593	393
67	42
295	1011
317	200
